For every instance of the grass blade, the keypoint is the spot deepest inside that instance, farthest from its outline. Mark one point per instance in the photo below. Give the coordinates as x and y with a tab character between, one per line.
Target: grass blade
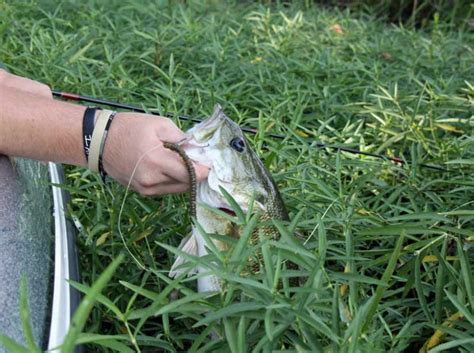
82	312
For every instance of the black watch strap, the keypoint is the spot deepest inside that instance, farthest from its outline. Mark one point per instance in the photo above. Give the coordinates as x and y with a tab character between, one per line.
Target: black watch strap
88	129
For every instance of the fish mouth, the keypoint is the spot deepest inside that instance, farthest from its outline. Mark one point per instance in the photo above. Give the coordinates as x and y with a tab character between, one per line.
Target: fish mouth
224	207
228	211
231	212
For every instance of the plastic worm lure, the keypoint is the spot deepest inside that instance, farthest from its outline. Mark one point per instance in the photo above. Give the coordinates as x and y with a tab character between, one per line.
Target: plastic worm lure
192	175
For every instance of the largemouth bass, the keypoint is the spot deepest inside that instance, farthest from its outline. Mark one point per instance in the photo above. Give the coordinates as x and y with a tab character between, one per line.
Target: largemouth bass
219	143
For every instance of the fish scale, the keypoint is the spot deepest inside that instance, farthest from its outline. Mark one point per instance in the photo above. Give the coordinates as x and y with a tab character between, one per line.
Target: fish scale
268	231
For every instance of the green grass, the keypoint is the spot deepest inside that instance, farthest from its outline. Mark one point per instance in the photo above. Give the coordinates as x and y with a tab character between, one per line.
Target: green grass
388	257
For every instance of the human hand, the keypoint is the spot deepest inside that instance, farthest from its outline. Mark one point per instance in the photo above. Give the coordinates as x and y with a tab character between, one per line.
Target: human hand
134	153
24	84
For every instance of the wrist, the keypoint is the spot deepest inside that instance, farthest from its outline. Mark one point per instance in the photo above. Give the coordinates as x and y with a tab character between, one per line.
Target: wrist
113	145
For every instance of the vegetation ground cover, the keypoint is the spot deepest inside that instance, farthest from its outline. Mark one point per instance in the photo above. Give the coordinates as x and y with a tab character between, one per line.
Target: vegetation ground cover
387	255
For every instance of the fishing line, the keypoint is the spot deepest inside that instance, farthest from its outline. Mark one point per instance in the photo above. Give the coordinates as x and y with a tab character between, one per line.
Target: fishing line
127	189
317	225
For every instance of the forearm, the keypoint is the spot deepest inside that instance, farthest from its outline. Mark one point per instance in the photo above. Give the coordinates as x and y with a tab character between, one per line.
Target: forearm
40	128
33	125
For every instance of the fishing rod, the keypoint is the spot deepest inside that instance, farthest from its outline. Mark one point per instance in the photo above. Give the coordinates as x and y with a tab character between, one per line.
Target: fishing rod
101	101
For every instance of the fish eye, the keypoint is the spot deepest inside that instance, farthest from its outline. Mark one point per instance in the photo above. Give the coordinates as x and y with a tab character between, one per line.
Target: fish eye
237	144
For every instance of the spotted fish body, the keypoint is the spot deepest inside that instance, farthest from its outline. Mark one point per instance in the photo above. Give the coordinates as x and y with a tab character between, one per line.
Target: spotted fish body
219	143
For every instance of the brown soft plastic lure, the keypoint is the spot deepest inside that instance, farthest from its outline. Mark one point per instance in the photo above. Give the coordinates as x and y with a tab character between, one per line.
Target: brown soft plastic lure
192	175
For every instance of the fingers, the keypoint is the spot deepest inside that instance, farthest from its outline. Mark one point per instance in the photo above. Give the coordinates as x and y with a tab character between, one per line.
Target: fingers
177	169
166	175
175	181
164	189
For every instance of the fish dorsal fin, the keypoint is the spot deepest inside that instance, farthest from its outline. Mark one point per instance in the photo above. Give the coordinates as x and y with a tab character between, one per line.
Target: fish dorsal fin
188	245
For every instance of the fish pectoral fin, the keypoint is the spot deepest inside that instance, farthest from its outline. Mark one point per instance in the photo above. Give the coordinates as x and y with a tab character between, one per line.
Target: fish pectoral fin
189	246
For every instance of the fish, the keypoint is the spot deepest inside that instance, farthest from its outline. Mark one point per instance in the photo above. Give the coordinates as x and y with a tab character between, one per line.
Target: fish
219	143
